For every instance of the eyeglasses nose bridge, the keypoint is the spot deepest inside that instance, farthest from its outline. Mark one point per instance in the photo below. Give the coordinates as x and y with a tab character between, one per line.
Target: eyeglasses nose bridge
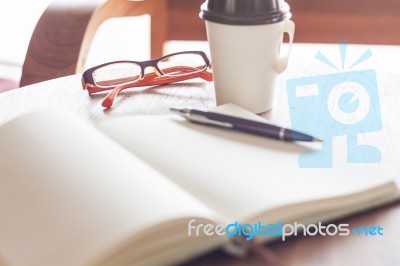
155	69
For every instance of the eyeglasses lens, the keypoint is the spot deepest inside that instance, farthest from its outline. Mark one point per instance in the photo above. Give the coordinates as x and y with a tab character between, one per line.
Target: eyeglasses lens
182	64
117	74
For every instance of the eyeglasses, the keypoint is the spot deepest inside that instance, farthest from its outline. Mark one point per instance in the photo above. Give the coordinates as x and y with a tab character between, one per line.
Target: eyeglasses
120	75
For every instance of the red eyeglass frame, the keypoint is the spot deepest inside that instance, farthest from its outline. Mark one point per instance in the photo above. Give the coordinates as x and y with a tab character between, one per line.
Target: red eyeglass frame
149	79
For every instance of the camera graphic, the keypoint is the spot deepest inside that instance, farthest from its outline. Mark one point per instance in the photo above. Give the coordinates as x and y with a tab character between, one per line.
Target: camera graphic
338	104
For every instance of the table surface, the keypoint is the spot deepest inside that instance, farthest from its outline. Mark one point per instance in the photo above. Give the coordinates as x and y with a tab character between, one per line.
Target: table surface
67	93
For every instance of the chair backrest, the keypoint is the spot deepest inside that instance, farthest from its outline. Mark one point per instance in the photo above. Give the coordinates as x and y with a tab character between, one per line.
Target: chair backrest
63	35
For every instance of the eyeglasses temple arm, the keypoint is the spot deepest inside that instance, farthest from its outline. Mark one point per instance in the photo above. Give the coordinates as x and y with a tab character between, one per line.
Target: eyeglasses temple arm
109	99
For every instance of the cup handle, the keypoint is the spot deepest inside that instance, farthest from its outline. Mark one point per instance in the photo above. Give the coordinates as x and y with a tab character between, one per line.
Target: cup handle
283	60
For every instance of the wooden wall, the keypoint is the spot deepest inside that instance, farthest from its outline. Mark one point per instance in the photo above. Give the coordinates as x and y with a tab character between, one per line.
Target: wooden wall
318	21
184	21
357	21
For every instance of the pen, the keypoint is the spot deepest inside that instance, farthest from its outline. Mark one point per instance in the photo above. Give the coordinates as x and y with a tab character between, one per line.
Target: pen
244	125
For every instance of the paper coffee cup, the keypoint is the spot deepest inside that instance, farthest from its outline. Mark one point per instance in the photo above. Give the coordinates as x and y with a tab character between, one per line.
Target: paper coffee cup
245	37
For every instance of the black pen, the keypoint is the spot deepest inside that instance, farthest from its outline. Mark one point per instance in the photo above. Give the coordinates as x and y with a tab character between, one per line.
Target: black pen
244	125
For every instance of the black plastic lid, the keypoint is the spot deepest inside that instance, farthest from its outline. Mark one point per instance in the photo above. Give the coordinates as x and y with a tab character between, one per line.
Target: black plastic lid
245	12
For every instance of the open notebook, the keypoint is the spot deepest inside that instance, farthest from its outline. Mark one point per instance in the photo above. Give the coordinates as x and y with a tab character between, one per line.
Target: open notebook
124	191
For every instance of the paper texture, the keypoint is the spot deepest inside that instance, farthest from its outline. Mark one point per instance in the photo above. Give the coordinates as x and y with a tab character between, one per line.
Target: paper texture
236	174
69	194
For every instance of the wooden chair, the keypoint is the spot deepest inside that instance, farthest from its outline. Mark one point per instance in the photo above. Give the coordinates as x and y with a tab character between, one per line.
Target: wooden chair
63	35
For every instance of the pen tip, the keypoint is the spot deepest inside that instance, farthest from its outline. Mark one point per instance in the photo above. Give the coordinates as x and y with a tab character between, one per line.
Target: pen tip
179	110
175	109
316	140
